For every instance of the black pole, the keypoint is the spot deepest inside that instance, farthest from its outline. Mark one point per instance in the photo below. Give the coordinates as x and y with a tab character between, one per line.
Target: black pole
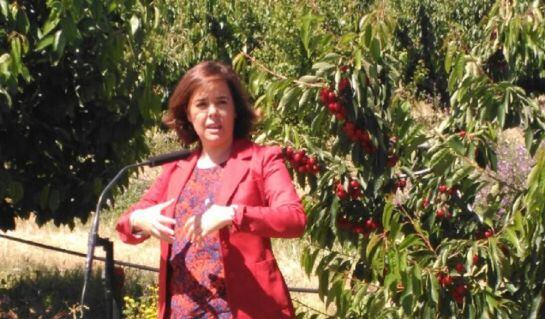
114	306
95	240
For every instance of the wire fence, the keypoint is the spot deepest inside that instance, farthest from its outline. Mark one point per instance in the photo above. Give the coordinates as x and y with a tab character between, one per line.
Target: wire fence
118	262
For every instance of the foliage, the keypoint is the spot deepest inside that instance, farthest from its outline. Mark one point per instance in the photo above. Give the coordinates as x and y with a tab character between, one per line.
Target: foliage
76	94
144	307
396	227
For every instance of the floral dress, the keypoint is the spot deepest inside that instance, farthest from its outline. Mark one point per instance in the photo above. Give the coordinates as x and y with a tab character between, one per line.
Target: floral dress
196	276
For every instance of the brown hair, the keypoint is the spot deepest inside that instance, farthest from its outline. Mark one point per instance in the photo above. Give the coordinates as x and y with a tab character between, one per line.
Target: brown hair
176	117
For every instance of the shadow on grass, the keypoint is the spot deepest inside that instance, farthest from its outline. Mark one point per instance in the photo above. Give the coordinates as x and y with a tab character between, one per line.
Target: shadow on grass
39	292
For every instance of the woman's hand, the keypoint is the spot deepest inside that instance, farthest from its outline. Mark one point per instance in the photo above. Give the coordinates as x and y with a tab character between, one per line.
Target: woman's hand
151	222
214	218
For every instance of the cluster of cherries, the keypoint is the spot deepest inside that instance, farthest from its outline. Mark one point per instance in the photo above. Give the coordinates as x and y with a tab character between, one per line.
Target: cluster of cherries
353	191
364	228
301	162
400	183
456	286
442	212
331	100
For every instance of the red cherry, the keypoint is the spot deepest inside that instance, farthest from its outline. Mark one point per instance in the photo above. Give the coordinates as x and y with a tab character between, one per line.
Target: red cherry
459	298
392	160
349	128
488	233
344	83
344	68
324	95
462	134
440	213
289	152
426	202
340	116
355	193
475	259
297	157
331	96
359	229
446	281
362	135
354	184
461	289
311	160
460	268
302	169
334	107
371	224
452	190
304	159
442	188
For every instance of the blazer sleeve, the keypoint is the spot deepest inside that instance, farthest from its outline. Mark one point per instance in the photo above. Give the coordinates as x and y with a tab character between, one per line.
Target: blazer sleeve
284	215
154	195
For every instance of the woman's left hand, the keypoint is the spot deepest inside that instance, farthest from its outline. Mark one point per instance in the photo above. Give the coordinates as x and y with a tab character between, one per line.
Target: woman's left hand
214	218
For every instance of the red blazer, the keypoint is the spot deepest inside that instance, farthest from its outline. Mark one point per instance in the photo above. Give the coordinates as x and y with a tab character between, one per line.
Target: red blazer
255	179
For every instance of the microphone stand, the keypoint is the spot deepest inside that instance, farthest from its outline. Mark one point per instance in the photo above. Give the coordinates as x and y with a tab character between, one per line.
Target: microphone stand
111	295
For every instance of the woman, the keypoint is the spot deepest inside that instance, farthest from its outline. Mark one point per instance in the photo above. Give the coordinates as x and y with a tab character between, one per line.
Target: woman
215	212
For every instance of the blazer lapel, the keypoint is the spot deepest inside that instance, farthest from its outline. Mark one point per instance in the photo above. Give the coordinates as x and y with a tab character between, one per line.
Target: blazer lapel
179	177
236	168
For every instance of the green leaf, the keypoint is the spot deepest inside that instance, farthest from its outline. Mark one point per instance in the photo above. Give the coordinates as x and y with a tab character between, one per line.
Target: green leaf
372	246
289	97
135	24
23	25
305	31
375	49
45	42
434	288
54	200
156	17
4	8
15	191
53	19
440	160
503	109
387	215
7	95
322	66
16	52
455	144
309	79
59	42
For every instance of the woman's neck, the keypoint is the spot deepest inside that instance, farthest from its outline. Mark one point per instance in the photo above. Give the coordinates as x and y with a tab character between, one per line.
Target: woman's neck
213	156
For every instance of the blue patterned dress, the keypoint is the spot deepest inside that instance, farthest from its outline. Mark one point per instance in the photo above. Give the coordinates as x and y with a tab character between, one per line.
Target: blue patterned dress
196	277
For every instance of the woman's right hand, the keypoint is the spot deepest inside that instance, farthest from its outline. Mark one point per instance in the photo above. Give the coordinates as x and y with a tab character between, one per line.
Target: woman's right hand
151	222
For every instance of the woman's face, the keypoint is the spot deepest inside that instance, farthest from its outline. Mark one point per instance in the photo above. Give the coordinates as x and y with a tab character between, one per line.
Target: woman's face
211	110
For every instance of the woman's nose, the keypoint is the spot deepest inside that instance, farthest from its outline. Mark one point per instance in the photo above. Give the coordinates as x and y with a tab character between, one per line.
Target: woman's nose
212	109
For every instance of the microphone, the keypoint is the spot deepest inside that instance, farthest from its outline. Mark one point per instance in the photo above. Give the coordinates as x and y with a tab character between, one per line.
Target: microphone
94	239
168	157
